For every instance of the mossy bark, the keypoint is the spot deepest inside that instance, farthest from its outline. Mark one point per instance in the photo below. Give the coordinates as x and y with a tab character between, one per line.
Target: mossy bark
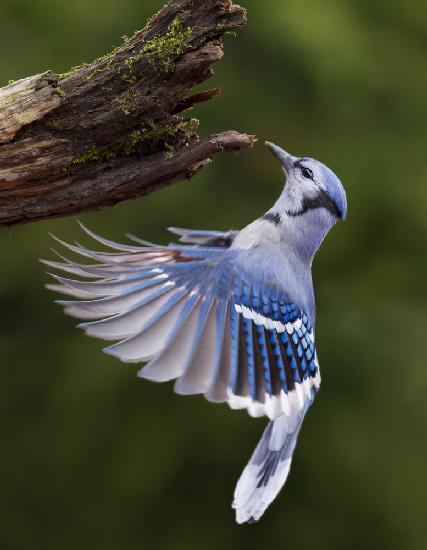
113	130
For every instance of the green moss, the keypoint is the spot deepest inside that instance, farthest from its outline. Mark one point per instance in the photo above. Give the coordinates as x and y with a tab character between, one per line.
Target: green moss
127	75
93	155
126	39
73	70
129	102
59	91
125	71
108	57
149	138
11	82
165	50
108	66
129	63
153	136
63	171
162	53
129	146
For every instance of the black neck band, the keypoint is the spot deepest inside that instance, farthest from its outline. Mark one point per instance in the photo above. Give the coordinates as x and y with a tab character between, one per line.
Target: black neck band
323	200
273	217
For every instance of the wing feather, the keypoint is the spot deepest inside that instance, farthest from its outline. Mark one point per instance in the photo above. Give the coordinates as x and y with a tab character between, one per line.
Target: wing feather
169	363
158	322
195	317
108	287
106	307
221	239
183	382
133	321
196	377
62	289
217	390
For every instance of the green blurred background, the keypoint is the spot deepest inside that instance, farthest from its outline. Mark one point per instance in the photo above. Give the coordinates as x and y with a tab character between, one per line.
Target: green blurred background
90	456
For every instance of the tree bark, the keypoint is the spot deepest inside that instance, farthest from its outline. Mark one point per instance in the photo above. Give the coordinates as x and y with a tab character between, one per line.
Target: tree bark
110	131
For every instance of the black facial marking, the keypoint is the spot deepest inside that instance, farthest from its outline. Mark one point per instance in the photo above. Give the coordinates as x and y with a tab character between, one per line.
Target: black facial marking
306	172
322	200
273	217
299	162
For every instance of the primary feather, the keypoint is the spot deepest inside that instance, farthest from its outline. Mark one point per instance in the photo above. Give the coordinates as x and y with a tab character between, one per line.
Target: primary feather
230	316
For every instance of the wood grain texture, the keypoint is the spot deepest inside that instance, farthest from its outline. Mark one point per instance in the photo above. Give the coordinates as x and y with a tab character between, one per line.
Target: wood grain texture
113	130
25	101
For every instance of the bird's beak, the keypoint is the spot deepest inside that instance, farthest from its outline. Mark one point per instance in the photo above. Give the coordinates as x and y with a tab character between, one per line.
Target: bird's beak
285	159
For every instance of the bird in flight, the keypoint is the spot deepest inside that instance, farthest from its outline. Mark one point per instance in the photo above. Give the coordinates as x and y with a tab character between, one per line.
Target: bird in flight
230	315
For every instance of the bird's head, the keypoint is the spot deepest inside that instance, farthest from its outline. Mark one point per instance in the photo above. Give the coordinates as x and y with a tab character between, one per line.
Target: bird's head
310	185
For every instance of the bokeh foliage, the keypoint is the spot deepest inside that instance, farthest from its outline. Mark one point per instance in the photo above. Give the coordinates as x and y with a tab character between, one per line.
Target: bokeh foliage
93	458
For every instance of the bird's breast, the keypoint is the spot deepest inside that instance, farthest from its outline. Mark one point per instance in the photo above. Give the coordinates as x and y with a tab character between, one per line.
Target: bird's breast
257	233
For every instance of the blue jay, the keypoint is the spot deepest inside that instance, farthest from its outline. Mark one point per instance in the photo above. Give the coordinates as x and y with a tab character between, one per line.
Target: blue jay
228	315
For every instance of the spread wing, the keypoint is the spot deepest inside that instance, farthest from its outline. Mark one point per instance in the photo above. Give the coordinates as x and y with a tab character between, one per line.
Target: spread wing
193	315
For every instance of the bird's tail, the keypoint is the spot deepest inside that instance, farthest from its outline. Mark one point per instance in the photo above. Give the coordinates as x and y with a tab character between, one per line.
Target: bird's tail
267	469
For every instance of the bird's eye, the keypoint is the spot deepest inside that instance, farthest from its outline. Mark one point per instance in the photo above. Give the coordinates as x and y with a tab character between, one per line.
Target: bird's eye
307	173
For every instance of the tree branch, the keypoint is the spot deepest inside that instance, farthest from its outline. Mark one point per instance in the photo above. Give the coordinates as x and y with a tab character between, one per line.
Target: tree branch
110	131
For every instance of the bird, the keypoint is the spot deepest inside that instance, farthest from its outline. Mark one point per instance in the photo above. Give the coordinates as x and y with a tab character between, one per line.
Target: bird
230	315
